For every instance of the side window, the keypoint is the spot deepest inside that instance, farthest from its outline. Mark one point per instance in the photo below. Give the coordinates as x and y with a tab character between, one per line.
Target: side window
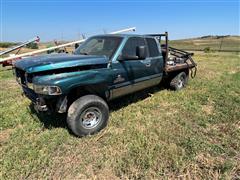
152	47
131	45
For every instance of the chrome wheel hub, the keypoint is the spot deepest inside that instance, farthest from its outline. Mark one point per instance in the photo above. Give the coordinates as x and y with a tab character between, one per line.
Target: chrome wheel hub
91	117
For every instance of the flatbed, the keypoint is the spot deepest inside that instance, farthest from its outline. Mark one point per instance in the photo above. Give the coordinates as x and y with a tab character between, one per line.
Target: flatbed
177	67
175	59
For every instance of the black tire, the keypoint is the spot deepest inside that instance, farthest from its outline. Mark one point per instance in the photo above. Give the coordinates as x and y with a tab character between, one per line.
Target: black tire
85	112
179	81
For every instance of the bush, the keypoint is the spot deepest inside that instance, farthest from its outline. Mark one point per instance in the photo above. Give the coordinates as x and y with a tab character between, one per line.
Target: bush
51	51
7	44
207	49
32	45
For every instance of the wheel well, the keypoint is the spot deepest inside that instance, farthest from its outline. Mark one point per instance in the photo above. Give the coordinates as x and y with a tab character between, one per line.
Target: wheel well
174	73
169	76
186	71
78	92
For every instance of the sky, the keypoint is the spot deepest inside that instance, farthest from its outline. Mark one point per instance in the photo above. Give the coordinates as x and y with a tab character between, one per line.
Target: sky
68	19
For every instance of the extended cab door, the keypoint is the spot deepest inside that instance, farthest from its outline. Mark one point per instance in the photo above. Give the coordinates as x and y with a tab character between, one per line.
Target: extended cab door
154	58
133	74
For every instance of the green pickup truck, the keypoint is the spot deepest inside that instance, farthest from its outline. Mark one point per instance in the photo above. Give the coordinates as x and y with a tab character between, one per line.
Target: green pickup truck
103	68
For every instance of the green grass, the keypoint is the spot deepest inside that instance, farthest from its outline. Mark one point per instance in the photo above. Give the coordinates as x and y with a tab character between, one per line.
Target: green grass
194	133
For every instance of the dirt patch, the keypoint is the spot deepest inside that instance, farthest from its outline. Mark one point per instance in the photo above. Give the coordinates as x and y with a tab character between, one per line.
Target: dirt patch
207	161
208	109
5	134
106	173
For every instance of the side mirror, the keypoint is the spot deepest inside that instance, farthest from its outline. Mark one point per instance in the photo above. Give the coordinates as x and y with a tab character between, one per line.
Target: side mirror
141	52
126	57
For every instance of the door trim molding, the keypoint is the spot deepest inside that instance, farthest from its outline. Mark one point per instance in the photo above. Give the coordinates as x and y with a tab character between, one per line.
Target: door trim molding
138	84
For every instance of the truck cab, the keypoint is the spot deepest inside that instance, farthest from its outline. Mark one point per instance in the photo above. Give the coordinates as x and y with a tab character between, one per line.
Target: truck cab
103	68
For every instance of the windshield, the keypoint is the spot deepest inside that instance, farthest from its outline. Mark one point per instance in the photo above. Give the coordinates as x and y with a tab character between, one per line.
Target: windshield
99	45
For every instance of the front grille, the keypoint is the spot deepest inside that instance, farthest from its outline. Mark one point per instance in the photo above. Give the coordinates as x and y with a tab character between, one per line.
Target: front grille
29	78
30	94
20	75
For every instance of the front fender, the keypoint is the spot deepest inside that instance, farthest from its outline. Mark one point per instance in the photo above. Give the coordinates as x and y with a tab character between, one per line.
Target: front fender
69	81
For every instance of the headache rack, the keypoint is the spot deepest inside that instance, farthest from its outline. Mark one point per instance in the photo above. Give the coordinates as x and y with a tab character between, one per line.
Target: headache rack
175	59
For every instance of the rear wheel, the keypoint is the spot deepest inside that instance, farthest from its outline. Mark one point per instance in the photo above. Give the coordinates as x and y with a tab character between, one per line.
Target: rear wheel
87	115
179	81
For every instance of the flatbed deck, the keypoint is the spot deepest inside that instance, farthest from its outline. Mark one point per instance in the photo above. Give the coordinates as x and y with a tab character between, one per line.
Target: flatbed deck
175	55
176	67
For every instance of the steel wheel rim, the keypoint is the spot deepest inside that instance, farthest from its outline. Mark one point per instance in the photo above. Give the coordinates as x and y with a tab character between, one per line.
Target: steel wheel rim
180	82
91	117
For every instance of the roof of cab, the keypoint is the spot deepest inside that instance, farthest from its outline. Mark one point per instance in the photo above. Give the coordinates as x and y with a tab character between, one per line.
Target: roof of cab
124	35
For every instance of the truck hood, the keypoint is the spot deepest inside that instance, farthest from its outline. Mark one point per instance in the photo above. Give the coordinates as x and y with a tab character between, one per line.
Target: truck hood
58	61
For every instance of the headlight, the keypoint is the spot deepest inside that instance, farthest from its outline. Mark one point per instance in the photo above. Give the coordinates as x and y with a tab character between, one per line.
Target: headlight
30	85
47	90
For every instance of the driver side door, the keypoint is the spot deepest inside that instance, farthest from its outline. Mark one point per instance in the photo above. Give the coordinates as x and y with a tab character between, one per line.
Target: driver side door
128	74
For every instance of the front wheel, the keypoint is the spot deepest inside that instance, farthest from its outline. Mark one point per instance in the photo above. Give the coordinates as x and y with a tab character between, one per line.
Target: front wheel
87	115
179	81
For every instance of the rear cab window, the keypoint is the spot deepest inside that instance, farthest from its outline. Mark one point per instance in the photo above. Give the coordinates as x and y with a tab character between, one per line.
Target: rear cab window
131	45
153	50
133	42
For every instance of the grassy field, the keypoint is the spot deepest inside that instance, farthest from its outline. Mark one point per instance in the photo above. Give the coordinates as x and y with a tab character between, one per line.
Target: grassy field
157	133
231	43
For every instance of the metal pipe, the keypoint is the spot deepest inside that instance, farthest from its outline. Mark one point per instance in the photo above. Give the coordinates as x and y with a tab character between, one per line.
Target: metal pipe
59	46
124	30
19	46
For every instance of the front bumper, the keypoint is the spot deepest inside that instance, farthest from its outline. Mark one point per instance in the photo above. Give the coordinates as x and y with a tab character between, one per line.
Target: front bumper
43	104
38	102
30	94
